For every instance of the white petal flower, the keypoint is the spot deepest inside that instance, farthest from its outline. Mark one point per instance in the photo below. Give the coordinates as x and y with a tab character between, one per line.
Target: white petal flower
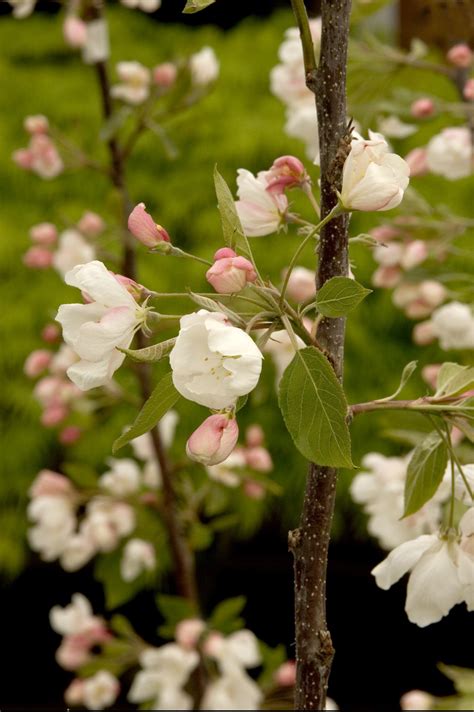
55	521
373	178
72	250
227	472
123	478
302	123
392	127
100	690
449	153
134	87
165	671
204	66
73	619
144	5
96	329
138	556
214	363
261	212
232	692
453	324
22	8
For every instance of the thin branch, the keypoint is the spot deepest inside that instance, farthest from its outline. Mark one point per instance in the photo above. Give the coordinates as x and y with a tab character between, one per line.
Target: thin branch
309	57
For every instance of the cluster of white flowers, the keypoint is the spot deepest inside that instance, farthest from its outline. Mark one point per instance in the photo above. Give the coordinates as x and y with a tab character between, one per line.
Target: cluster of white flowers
442	563
287	82
166	670
380	489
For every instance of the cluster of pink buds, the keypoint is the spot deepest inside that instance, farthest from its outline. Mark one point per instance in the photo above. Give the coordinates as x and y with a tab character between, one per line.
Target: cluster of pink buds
41	156
396	253
419	300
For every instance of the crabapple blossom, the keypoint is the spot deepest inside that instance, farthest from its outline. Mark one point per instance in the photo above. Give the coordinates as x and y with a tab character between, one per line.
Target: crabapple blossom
106	522
392	127
164	673
259	459
49	483
22	8
41	157
72	250
442	572
38	257
453	325
37	124
143	445
228	472
70	434
50	333
261	211
419	300
285	675
143	227
90	224
416	700
280	347
53	516
213	441
373	178
100	690
138	556
386	277
448	154
460	55
254	435
97	329
188	632
96	48
301	285
287	79
134	86
164	75
423	333
74	692
417	161
232	692
380	489
44	233
230	273
461	491
37	362
422	108
74	31
204	67
254	490
144	5
287	172
123	478
302	123
213	363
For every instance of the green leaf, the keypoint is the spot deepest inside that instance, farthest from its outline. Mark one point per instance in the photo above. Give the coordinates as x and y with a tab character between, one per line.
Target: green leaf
150	353
196	6
164	397
463	678
225	616
213	306
122	626
425	472
339	296
314	408
454	379
407	373
175	609
232	229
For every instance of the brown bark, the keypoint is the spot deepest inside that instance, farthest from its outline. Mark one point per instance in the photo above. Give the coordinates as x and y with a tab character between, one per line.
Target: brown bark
183	558
310	542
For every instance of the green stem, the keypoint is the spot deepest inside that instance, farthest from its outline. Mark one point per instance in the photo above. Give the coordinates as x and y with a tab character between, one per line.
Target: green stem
309	57
178	252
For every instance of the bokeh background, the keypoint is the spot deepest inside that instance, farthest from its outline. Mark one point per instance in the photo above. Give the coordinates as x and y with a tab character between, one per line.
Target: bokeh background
379	654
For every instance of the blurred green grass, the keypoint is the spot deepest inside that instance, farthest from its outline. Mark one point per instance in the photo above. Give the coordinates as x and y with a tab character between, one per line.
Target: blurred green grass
239	125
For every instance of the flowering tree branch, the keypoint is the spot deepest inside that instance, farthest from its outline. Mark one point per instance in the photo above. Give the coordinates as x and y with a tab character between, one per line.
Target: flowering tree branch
310	542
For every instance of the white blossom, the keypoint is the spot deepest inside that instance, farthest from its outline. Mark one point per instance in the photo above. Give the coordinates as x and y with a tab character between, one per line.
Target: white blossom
261	212
107	521
204	66
453	325
232	692
144	5
442	572
95	330
392	127
449	153
214	363
123	478
373	178
164	674
302	123
228	472
22	8
55	521
74	619
280	347
72	250
134	86
138	556
100	690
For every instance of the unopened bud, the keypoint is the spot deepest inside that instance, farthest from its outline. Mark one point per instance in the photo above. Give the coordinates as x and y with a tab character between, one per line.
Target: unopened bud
143	227
214	440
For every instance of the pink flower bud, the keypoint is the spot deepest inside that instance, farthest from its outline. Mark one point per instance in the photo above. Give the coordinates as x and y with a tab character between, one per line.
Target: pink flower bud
91	224
287	172
44	233
384	233
468	91
73	652
37	362
417	160
386	277
70	435
74	694
213	644
74	32
23	158
38	124
301	285
460	55
188	632
214	440
259	459
231	273
429	373
416	700
49	483
254	490
423	333
135	289
51	333
164	75
421	108
54	414
38	258
285	675
432	292
414	254
142	226
254	436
